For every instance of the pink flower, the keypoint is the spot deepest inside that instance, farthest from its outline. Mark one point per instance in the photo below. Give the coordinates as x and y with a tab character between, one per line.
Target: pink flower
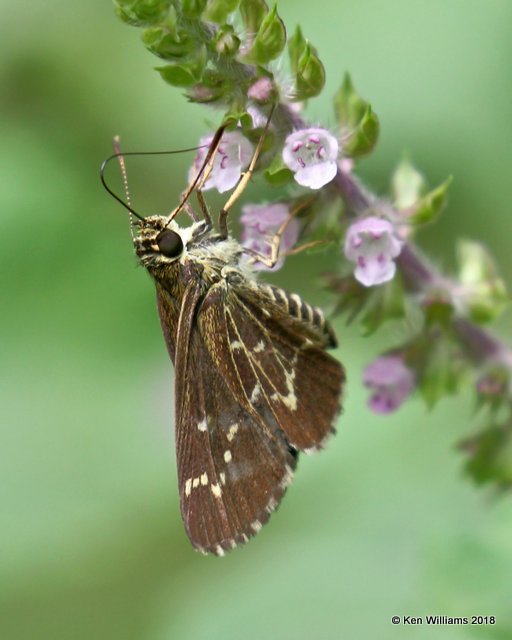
390	381
232	157
372	244
260	224
311	154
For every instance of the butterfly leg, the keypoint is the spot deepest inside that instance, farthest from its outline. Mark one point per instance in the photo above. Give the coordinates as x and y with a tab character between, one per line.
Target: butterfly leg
275	243
243	181
204	208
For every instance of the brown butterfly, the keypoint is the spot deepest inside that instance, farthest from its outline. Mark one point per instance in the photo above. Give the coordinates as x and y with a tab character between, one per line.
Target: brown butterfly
254	384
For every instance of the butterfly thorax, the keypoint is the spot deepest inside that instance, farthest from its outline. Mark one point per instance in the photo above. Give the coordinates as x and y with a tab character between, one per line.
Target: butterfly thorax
196	251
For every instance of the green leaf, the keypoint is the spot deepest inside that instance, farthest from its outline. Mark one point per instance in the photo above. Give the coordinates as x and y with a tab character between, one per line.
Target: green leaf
177	75
484	293
296	45
430	206
235	119
383	303
193	8
310	74
407	185
441	371
490	456
187	73
142	13
277	173
492	386
438	309
253	13
359	124
350	295
218	10
269	41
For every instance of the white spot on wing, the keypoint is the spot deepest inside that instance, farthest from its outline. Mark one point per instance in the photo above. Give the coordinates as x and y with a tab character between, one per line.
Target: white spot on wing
232	431
188	486
290	399
272	504
195	483
236	344
259	347
219	550
227	455
204	479
222	477
216	490
286	480
203	425
256	526
256	392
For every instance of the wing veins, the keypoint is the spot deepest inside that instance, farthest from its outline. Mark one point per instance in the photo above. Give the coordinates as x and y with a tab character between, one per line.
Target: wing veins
254	363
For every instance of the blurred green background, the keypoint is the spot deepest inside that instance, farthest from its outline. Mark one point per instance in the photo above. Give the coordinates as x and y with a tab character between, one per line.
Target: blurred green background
383	522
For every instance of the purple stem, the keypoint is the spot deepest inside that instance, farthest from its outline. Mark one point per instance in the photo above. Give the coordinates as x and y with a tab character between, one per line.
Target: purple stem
419	274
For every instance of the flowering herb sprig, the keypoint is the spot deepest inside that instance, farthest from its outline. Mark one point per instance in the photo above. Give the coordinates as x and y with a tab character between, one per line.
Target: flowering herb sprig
221	53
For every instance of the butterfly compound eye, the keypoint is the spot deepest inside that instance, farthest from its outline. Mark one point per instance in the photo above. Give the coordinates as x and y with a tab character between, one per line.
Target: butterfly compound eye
170	243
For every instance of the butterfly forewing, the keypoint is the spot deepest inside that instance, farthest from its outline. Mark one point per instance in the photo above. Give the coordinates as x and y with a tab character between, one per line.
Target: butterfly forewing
232	472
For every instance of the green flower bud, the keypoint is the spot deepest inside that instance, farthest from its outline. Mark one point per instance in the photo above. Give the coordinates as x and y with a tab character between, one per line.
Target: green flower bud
193	8
269	41
359	123
253	13
142	13
169	45
428	208
218	10
226	42
310	74
483	292
407	185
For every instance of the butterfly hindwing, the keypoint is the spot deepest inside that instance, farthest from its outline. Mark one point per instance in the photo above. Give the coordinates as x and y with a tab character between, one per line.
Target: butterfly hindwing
275	364
232	471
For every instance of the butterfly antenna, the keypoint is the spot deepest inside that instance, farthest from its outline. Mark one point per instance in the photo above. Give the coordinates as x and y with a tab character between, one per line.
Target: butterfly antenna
200	178
122	166
120	157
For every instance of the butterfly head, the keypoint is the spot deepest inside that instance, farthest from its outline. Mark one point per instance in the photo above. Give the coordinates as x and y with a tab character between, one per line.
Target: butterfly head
159	242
